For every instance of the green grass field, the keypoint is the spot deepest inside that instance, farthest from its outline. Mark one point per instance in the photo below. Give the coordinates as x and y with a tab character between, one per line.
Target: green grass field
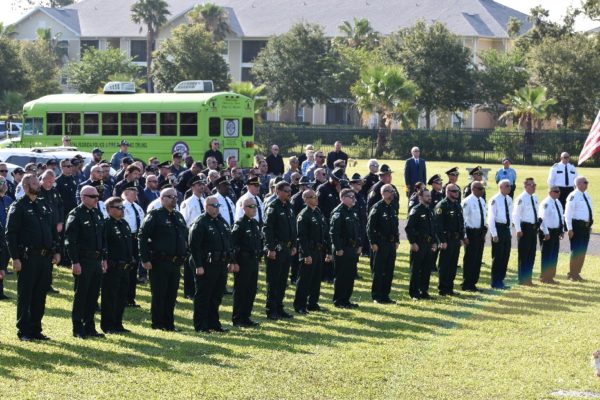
519	344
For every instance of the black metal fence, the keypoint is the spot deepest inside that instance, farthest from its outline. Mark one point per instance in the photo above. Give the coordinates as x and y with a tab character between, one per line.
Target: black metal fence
464	145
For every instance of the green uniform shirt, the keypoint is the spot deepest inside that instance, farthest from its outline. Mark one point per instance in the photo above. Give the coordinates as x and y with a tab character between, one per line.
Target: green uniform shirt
280	225
312	232
449	219
163	233
118	240
344	229
53	202
382	224
84	234
209	235
246	237
421	225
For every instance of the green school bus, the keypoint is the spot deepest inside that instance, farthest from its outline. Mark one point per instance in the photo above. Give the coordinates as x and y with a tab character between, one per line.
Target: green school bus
154	124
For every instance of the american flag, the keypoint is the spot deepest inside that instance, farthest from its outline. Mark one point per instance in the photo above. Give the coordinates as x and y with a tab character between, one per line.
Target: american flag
592	143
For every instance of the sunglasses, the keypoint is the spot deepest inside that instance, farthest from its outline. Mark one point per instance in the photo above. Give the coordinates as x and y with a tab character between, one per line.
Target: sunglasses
251	206
215	205
3	170
388	191
92	196
320	156
555	191
585	183
476	188
454	191
350	196
287	191
64	166
311	197
170	196
117	207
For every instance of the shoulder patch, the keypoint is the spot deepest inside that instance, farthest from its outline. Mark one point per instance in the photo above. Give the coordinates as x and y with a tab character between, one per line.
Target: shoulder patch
438	210
571	197
546	205
493	202
520	201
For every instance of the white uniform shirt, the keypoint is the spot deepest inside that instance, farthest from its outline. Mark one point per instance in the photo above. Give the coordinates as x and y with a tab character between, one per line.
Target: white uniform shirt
156	204
19	191
102	208
129	215
224	210
190	208
497	212
471	213
524	211
551	213
576	208
239	207
557	175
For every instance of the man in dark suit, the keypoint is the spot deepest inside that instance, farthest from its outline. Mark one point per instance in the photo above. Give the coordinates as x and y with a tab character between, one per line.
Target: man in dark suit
275	162
414	171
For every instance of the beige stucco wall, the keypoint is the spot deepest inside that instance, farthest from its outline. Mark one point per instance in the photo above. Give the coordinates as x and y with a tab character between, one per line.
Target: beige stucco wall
38	19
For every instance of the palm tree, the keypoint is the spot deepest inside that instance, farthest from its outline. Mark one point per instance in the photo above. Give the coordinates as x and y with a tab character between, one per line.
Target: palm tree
214	18
386	91
152	13
359	35
256	93
528	104
7	31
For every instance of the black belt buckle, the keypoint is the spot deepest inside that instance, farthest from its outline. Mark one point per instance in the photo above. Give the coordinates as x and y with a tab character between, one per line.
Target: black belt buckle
45	252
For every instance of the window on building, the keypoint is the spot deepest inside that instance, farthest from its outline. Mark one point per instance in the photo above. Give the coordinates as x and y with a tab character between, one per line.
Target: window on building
113	43
88	44
300	116
247	127
188	125
138	51
129	124
251	48
72	124
168	124
62	49
110	124
90	123
247	75
54	123
214	126
148	123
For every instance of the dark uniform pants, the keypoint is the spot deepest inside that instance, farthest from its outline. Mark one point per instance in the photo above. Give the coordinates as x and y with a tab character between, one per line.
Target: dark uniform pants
345	273
420	270
244	287
189	285
294	268
164	282
115	284
308	287
208	296
383	271
448	265
32	286
550	250
579	246
132	272
565	191
500	255
277	273
527	247
472	257
87	290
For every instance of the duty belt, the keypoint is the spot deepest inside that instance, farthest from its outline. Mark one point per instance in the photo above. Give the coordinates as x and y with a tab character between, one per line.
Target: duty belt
168	258
582	224
217	256
529	225
426	238
453	235
41	252
501	225
351	242
281	245
90	254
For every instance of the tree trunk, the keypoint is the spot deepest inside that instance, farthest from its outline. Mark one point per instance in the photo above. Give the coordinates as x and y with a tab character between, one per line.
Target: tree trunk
296	108
528	145
381	132
149	41
427	118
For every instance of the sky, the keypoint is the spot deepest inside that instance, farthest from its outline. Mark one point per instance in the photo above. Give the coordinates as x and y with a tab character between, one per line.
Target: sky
557	9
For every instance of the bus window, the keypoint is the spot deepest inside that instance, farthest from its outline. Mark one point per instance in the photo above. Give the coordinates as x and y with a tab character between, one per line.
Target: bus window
148	123
73	124
188	125
33	126
54	124
168	124
214	126
90	124
129	124
247	127
110	124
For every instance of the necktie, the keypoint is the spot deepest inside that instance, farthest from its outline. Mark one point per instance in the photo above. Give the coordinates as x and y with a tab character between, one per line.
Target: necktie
535	217
587	203
137	217
566	176
481	225
506	210
560	218
200	204
259	208
417	162
229	210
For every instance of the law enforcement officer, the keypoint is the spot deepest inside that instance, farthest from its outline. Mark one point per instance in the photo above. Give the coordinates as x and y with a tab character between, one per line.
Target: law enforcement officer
67	188
385	178
328	195
227	208
526	222
579	220
344	232
436	190
162	240
313	245
475	217
476	176
451	232
563	174
32	243
452	175
507	172
297	200
253	192
210	246
552	228
133	215
371	178
247	247
421	234
384	237
360	208
85	241
280	243
499	222
131	177
53	205
120	260
4	256
192	208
